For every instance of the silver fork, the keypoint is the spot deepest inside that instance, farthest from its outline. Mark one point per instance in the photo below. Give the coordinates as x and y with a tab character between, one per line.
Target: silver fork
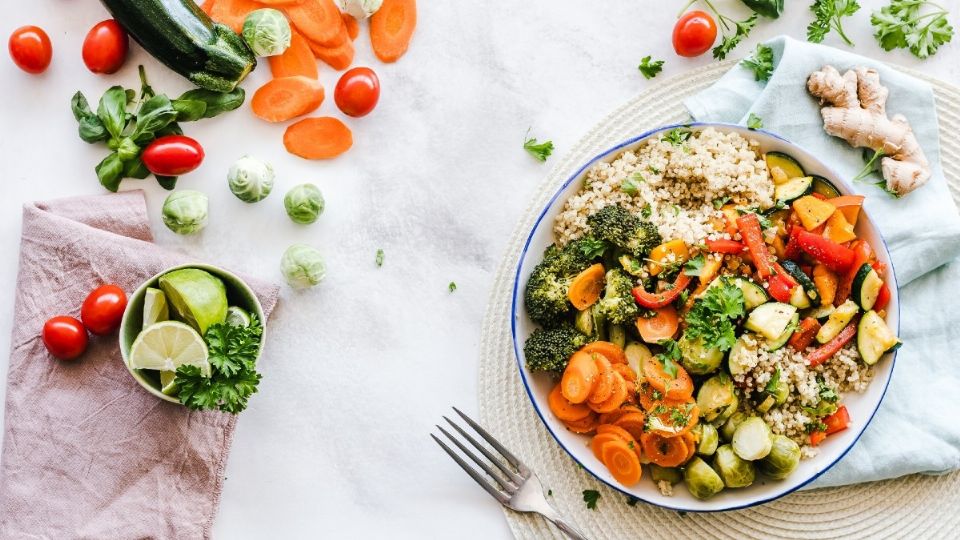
517	488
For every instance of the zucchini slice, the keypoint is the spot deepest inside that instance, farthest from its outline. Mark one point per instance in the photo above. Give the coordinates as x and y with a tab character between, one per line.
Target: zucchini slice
753	294
771	319
866	287
790	167
793	189
636	353
874	338
809	288
799	299
774	344
824	187
837	321
821	312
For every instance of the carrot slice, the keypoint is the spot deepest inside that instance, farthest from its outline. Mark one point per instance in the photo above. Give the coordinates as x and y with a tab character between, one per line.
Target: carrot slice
278	3
604	387
584	425
207	7
648	396
233	12
621	433
579	378
339	57
318	20
287	97
613	416
626	372
564	410
675	417
613	353
691	441
298	59
632	422
615	400
391	28
352	26
318	138
622	462
598	440
679	387
586	287
666	452
661	326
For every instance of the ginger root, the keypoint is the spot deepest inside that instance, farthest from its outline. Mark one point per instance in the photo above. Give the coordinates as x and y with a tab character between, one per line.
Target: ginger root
855	110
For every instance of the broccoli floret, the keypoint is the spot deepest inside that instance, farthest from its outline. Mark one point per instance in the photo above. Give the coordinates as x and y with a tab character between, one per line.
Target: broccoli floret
620	227
546	293
549	350
617	304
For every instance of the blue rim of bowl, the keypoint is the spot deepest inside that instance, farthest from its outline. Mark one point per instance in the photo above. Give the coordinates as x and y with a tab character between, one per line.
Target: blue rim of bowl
514	314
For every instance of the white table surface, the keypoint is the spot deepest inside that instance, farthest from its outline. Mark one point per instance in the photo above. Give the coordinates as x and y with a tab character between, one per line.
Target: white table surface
358	370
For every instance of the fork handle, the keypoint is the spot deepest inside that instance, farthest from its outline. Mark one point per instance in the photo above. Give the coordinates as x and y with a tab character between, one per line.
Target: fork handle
567	528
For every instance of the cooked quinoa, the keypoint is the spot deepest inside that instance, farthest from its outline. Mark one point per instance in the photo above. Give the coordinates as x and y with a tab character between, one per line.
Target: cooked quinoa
676	185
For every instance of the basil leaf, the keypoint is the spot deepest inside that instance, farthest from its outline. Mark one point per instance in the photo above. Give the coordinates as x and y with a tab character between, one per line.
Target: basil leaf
112	110
91	130
127	149
110	172
166	182
217	102
155	114
135	169
172	129
80	107
189	110
767	8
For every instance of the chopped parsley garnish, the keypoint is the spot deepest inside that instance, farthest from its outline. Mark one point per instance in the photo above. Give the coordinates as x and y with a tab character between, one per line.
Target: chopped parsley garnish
677	136
771	387
754	122
814	426
826	393
630	184
646	211
712	317
653	169
591	496
678	417
649	68
592	248
452	286
694	267
760	62
540	151
670	356
379	258
719	202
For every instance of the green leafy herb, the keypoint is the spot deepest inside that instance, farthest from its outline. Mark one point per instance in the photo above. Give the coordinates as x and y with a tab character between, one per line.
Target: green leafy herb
452	286
918	25
591	496
670	356
760	62
549	493
632	501
684	296
646	211
730	42
767	8
677	136
754	121
649	68
694	267
719	202
827	15
825	392
679	417
713	315
653	169
630	184
765	222
771	387
593	248
540	151
814	426
871	165
379	258
234	378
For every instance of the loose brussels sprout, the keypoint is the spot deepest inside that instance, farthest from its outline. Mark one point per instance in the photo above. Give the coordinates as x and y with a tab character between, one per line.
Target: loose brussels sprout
267	32
304	203
185	211
730	426
670	474
752	439
250	179
303	266
702	481
709	439
360	9
698	359
735	471
715	395
783	458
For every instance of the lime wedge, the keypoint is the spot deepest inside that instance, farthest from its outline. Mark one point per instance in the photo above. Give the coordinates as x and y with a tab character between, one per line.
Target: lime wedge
167	386
237	316
168	345
154	307
197	297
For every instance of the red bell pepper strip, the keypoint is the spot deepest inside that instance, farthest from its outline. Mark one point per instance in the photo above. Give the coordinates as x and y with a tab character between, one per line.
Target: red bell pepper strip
792	251
863	253
834	256
803	336
658	300
827	350
725	246
883	298
752	235
817	437
837	421
780	288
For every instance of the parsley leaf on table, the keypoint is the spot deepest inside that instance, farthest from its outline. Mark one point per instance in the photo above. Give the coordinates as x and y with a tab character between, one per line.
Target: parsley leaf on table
827	15
540	151
379	258
754	122
649	68
903	24
452	286
760	62
713	315
591	496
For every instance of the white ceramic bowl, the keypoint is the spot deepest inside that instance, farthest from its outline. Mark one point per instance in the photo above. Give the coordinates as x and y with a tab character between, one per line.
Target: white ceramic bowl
862	407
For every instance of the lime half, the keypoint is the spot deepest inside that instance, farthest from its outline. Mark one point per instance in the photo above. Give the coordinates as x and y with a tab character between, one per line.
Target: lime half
167	386
168	345
197	297
155	307
237	316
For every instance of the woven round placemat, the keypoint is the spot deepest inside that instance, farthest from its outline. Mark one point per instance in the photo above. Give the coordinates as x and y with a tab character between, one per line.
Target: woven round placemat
916	506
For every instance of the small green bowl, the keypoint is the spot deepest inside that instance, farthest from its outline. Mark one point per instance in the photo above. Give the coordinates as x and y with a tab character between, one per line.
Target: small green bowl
238	294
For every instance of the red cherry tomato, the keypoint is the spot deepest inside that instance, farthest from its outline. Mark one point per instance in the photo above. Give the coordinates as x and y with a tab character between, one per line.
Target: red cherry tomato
172	155
102	310
105	47
357	92
65	337
694	33
30	49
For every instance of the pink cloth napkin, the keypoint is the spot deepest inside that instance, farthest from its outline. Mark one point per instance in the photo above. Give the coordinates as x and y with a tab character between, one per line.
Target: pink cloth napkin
87	453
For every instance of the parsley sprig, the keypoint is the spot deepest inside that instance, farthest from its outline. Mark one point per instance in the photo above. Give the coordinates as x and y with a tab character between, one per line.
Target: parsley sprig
754	122
712	317
539	150
918	25
591	496
760	62
827	15
650	68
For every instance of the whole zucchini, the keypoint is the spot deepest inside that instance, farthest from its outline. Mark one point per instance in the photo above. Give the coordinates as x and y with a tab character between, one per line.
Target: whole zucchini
183	37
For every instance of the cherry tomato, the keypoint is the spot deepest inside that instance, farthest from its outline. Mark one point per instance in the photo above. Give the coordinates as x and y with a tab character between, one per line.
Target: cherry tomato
357	92
105	47
172	155
65	337
694	33
103	308
30	49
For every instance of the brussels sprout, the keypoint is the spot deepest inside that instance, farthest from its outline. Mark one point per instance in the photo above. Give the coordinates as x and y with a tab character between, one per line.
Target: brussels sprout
636	353
735	471
783	458
250	179
730	426
698	359
702	481
709	439
781	393
267	32
670	474
303	266
185	212
360	9
617	335
727	413
304	203
752	439
715	395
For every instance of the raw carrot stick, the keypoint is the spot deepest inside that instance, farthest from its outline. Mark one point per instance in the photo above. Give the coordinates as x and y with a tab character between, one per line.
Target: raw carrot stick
391	28
564	410
353	27
622	462
318	138
586	287
233	12
207	7
296	60
579	378
318	20
339	57
287	97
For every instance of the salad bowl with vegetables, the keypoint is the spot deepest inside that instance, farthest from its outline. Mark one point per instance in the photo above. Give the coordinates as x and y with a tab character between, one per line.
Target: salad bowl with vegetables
192	334
705	317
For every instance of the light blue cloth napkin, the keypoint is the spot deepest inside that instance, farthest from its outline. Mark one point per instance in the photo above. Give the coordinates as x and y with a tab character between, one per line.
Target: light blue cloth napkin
917	428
